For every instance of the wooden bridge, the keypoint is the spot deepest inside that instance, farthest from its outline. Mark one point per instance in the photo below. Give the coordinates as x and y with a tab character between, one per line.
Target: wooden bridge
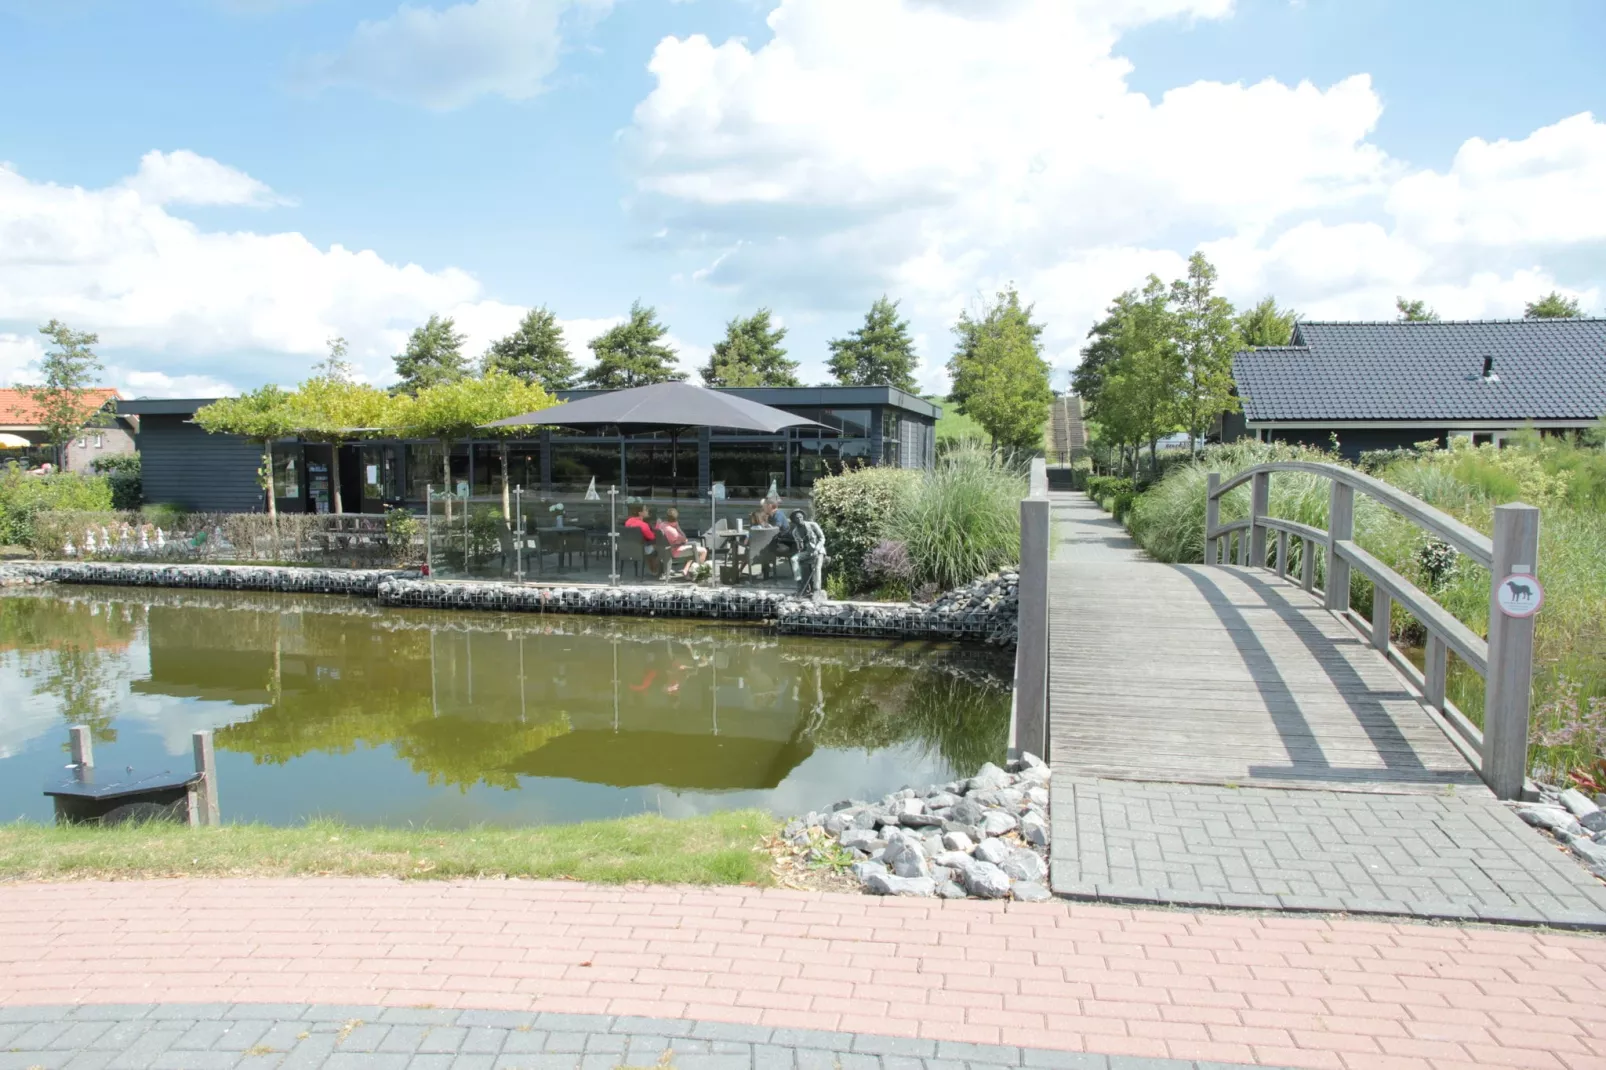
1246	672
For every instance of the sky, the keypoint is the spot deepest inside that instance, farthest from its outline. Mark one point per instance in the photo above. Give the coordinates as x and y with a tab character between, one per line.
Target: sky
218	187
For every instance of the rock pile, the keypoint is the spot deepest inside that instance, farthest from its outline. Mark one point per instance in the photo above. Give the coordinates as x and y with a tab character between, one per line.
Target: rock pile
986	837
985	611
1574	819
357	581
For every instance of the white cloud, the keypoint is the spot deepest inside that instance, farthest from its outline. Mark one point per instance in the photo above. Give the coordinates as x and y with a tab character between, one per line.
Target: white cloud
184	177
235	307
445	58
149	384
18	358
937	148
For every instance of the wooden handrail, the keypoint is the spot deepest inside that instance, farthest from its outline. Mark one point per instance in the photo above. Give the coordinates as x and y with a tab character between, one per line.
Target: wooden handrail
1468	540
1505	660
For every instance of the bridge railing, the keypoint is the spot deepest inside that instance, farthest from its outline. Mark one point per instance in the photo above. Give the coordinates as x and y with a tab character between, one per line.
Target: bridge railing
1504	660
1028	716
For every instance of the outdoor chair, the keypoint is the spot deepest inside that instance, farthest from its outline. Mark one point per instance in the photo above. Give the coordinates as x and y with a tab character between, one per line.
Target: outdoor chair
504	538
757	550
633	550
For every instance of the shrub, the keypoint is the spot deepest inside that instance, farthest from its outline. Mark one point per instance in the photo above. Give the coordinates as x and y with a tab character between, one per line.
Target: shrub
855	511
963	519
122	472
889	562
23	498
401	533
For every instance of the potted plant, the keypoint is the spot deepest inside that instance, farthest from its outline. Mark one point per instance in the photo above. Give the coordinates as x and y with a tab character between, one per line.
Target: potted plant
556	509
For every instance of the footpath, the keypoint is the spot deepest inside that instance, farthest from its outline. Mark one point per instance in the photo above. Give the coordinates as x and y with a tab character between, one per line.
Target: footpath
380	973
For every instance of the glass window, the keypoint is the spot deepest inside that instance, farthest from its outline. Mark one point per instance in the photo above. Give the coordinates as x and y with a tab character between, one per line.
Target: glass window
287	471
423	469
654	470
853	423
748	468
889	437
576	461
381	473
826	457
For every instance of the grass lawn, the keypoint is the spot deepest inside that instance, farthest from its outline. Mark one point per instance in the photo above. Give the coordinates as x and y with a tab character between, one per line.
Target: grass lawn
721	848
955	426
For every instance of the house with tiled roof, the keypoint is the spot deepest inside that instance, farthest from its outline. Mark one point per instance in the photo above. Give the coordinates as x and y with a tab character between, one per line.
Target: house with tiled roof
19	415
1390	385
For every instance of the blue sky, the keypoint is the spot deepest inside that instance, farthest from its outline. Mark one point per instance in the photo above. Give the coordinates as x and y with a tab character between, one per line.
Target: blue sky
217	186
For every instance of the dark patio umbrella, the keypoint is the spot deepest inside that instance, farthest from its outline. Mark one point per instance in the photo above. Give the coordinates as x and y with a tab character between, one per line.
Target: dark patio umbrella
672	407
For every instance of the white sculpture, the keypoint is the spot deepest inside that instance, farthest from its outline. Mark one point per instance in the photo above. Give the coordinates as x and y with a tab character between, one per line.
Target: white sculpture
809	561
70	550
89	541
161	539
144	538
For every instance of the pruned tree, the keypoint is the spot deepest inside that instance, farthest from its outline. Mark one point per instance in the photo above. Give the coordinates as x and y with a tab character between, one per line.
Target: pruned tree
1206	340
633	353
460	408
67	373
434	355
1266	324
1552	306
337	412
1414	311
536	353
880	353
999	376
335	366
264	416
750	354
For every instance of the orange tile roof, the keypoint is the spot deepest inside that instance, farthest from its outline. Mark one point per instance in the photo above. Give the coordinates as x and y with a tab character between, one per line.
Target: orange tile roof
17	409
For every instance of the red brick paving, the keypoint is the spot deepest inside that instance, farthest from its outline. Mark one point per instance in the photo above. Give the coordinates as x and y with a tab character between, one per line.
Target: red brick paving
1285	990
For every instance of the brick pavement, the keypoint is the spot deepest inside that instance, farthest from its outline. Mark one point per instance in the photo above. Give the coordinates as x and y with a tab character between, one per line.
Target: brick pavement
1453	855
252	1036
1300	991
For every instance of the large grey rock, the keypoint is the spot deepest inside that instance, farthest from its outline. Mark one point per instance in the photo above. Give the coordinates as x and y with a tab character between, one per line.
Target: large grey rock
986	881
864	819
1595	822
1029	892
837	822
1040	775
958	841
906	859
1024	865
1577	803
862	870
1037	796
1592	853
1035	829
996	823
908	806
1551	818
920	821
950	890
907	886
967	812
992	850
955	860
864	839
989	776
941	800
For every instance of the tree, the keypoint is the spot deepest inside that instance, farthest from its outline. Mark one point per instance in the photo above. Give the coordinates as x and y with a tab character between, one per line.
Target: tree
338	411
1552	306
1138	397
460	408
1000	378
1097	357
63	398
1266	324
1206	340
335	366
535	353
1414	311
434	355
881	353
633	353
264	416
750	354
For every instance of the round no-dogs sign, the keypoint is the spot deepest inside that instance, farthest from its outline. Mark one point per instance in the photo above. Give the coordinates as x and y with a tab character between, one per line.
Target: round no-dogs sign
1519	595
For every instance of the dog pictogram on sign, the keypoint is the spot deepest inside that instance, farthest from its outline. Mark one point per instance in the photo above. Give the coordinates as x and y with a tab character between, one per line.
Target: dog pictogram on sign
1519	595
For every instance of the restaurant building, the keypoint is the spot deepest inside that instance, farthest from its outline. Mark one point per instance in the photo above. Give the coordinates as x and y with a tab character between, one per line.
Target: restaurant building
183	465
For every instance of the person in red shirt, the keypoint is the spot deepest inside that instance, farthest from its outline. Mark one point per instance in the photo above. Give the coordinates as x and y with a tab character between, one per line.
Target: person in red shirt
638	522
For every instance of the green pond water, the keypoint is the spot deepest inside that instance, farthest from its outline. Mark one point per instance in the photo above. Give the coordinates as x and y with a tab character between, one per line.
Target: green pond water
325	706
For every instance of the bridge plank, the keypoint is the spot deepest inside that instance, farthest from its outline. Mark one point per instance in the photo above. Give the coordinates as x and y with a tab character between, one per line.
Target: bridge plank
1221	675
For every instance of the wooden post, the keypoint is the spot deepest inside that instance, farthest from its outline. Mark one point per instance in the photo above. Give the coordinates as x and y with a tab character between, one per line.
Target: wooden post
1212	555
1436	667
1511	654
1259	507
1282	554
1382	608
1307	564
206	765
83	747
1039	478
1243	548
1340	528
1028	722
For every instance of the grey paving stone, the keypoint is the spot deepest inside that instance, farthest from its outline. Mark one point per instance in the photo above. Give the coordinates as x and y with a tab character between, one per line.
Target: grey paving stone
575	1042
122	1034
949	1049
268	1011
417	1016
656	1026
80	1035
178	1059
483	1040
442	1040
403	1039
453	1062
575	1023
145	1049
33	1060
111	1012
714	1062
363	1038
343	1012
498	1019
354	1060
89	1060
751	1034
874	1045
202	1035
774	1057
812	1038
817	1059
521	1041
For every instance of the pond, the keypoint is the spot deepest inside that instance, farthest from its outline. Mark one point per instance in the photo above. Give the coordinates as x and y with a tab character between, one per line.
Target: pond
332	707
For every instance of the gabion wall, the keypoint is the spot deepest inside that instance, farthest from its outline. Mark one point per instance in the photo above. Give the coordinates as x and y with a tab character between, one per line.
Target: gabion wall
212	577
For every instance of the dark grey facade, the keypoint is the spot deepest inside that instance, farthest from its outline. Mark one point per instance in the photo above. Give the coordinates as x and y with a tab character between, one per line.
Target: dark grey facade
862	426
1391	385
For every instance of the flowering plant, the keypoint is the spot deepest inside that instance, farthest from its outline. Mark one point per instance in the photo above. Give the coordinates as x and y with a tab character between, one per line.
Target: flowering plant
555	507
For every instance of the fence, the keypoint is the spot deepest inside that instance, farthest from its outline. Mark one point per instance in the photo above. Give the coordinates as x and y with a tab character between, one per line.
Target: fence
1028	719
341	540
1505	661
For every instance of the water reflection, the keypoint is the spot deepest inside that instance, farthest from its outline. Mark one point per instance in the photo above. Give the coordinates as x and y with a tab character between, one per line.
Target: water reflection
476	702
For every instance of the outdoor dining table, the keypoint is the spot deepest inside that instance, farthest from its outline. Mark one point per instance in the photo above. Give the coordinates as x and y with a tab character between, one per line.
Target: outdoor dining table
564	542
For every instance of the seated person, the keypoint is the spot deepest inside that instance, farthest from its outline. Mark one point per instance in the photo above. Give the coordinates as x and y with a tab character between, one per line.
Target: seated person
675	539
773	515
639	520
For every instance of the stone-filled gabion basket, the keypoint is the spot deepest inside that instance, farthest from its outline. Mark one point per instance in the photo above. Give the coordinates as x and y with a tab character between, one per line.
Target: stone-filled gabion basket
986	611
985	838
293	580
